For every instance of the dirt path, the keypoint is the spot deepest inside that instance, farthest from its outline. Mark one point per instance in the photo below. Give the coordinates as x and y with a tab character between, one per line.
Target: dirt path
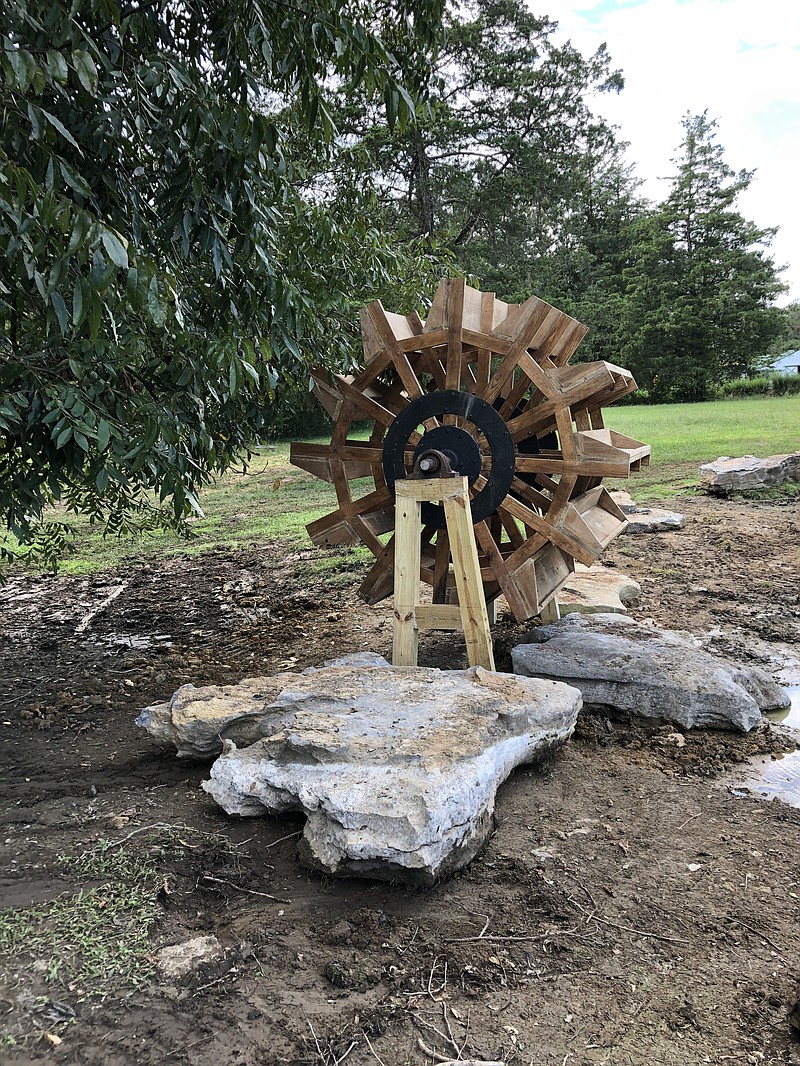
628	910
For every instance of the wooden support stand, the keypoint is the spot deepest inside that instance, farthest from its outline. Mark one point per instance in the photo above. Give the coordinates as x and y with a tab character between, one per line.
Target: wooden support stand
550	613
410	616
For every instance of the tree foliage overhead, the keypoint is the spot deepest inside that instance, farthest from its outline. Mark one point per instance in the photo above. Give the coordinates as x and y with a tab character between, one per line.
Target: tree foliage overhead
494	170
516	175
158	268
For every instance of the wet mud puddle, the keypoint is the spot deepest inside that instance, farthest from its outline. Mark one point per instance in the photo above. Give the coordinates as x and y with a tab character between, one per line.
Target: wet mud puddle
776	777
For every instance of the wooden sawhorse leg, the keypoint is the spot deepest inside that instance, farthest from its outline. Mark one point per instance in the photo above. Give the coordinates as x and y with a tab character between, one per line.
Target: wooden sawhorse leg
470	615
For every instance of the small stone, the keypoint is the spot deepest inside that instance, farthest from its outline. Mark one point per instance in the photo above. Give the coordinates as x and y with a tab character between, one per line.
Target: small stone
598	589
179	960
623	501
654	520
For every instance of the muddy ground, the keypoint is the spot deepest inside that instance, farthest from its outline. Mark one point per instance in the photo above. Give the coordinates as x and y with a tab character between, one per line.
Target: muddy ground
628	910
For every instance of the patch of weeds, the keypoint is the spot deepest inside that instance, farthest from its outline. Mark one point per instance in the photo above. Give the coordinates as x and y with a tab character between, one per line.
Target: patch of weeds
340	567
100	939
93	942
786	493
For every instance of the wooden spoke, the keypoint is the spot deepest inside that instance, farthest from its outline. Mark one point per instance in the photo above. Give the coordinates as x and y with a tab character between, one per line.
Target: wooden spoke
517	359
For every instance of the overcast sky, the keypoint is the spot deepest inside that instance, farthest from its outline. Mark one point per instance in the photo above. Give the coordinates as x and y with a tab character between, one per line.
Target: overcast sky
739	59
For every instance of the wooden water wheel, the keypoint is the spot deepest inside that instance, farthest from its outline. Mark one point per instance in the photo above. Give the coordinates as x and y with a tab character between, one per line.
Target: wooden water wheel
488	384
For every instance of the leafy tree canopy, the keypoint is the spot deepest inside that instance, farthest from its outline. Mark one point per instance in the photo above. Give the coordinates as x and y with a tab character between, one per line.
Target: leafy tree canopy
789	338
494	169
159	267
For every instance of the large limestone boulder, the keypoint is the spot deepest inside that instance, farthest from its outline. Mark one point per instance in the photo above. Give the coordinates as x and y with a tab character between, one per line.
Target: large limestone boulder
198	720
747	473
632	668
395	768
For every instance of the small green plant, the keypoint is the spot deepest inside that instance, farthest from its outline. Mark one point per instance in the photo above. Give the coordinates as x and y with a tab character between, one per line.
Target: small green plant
97	940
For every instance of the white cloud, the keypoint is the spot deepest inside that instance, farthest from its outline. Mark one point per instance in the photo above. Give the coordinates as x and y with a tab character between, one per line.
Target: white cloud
737	59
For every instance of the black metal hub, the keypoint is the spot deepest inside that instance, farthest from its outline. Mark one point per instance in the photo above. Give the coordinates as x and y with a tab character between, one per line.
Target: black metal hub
460	447
457	444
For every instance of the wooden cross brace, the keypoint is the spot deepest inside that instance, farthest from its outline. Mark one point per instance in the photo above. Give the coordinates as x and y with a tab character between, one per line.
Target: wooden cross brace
410	616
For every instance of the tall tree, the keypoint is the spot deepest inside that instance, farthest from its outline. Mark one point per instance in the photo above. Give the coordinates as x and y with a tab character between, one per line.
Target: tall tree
699	294
583	274
498	166
789	338
158	269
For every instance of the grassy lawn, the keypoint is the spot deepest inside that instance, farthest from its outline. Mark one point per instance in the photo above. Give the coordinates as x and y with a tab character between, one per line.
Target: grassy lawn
273	501
684	435
702	432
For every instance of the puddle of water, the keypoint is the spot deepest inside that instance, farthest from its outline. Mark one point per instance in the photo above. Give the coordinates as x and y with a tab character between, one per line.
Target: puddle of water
778	778
790	715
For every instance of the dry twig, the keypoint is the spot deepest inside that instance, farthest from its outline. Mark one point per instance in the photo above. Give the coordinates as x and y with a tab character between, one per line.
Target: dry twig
280	840
240	888
372	1049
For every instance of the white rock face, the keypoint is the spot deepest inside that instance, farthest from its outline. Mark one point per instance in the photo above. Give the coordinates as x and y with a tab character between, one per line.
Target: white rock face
728	475
632	668
598	589
198	720
396	768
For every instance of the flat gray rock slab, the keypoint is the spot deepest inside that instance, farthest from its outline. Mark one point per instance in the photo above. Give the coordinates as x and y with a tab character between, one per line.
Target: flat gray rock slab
645	519
627	667
395	768
598	589
178	960
653	520
748	473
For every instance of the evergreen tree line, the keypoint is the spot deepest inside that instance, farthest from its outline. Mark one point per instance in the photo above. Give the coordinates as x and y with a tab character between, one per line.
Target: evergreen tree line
512	176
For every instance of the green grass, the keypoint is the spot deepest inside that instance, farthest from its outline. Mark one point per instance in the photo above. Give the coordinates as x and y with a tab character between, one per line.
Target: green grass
273	501
94	941
702	432
100	939
683	436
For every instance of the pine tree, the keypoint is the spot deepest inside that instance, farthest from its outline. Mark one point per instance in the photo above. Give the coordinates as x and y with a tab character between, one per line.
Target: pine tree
699	294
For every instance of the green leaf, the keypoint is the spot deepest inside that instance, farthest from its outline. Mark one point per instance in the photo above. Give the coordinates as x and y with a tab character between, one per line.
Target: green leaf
34	116
64	436
57	124
85	69
78	306
103	435
80	230
117	252
157	312
60	308
57	67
